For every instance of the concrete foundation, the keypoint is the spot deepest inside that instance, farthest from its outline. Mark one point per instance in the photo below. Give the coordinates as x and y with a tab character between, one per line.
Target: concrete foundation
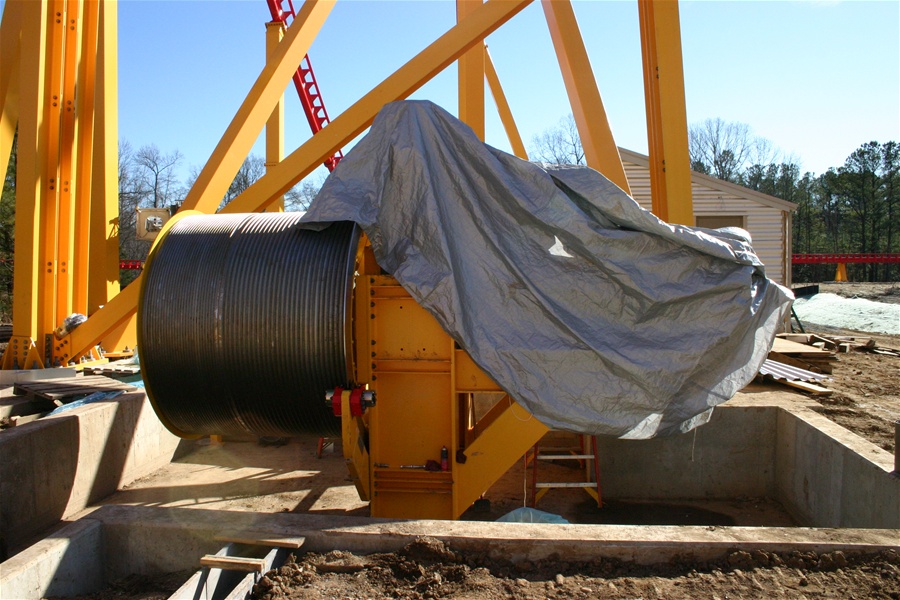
839	487
824	475
54	468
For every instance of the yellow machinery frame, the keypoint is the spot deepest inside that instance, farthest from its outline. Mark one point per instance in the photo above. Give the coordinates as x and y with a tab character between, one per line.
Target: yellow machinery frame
425	387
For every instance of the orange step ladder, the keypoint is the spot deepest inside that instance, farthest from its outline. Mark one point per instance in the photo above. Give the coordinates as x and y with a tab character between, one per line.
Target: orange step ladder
553	447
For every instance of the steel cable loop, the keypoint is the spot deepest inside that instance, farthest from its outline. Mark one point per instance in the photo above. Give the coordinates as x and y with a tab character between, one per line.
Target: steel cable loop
243	324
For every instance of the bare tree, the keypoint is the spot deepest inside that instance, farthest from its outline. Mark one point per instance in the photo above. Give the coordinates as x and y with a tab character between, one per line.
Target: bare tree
299	197
722	149
158	173
560	145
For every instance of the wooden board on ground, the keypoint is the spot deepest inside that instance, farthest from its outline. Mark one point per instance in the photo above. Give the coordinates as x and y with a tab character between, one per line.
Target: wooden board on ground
784	346
57	390
809	388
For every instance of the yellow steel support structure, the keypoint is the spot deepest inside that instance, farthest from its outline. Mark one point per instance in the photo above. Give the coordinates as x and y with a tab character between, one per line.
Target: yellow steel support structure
58	86
670	169
25	22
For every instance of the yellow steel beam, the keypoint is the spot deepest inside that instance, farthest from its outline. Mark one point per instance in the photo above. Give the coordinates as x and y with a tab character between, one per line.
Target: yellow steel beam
506	116
21	351
275	124
600	151
84	153
670	170
65	238
10	30
50	172
235	145
503	441
103	276
353	121
471	76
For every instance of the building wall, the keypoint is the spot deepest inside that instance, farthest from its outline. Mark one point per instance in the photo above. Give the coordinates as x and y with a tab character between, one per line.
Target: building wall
766	224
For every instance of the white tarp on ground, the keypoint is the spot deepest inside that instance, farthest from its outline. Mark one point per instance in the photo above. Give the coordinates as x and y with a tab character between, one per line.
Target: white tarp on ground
858	314
588	310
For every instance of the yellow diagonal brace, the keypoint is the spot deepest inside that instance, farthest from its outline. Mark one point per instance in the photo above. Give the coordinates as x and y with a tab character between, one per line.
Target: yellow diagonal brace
235	145
600	151
506	116
353	121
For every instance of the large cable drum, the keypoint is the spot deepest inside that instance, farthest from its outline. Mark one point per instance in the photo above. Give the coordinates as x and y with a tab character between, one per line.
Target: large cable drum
244	322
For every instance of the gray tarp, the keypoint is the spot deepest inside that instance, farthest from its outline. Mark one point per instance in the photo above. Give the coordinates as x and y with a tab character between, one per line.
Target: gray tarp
588	310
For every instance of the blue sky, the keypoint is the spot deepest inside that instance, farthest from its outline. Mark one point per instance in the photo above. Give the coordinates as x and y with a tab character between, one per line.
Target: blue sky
816	78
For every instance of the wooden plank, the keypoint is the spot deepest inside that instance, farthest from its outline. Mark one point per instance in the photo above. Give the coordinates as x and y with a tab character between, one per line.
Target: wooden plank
260	539
234	563
800	338
810	388
788	347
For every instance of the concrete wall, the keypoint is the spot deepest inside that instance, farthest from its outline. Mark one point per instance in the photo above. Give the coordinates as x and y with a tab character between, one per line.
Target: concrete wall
829	477
68	563
824	475
730	457
55	467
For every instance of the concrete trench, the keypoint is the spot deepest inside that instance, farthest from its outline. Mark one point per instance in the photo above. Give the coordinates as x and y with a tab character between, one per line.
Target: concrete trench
70	526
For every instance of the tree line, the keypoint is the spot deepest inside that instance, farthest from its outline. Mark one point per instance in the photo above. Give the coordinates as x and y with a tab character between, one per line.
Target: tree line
851	208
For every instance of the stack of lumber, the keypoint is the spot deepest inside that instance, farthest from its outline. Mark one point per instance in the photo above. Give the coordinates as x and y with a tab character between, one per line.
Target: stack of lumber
803	351
800	361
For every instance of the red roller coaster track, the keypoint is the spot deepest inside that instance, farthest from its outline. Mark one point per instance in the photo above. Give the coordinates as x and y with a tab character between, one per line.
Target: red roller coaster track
819	259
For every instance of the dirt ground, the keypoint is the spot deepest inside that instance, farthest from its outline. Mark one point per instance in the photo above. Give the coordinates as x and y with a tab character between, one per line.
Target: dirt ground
427	568
866	385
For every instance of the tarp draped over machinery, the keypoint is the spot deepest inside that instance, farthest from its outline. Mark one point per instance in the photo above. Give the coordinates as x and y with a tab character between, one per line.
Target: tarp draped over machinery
588	310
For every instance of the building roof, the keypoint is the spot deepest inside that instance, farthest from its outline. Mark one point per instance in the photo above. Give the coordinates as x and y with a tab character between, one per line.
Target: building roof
716	184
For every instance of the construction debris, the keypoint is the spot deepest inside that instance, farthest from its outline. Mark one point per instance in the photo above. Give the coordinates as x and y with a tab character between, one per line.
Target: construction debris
802	360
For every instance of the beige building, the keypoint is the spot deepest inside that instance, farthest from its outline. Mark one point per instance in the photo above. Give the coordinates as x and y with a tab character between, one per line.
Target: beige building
719	203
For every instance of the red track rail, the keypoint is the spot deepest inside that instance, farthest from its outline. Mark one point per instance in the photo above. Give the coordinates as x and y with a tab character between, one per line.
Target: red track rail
818	259
305	80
